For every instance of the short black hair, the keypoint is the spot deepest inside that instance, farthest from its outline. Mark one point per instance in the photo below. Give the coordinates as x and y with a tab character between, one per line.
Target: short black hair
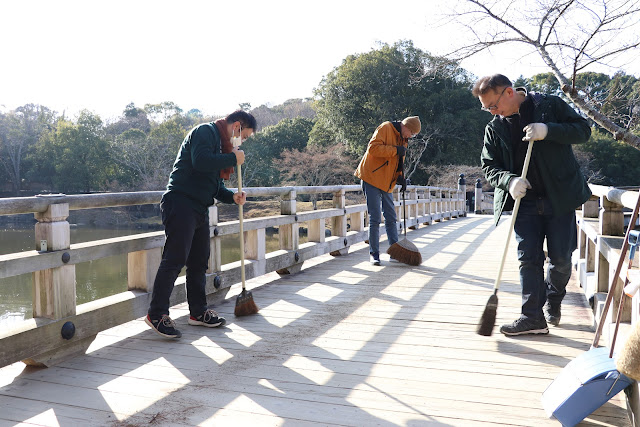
487	83
246	119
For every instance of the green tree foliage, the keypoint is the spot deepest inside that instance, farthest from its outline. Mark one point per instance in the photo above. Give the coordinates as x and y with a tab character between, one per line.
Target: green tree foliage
75	156
616	162
264	149
290	109
132	118
20	130
163	111
391	83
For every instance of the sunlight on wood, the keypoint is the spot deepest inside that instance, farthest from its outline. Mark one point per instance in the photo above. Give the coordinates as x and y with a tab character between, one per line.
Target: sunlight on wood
355	341
269	385
245	404
350	278
212	350
319	292
407	286
286	307
370	399
116	334
133	400
47	418
9	373
241	335
309	369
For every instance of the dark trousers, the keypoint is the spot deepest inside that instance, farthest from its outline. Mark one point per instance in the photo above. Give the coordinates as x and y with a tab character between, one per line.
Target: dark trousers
187	243
534	223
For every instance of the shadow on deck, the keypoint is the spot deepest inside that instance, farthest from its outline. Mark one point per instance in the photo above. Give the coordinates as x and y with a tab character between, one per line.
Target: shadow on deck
341	343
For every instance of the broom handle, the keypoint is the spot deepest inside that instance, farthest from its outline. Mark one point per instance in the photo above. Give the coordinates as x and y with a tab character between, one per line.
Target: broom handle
241	228
614	279
514	214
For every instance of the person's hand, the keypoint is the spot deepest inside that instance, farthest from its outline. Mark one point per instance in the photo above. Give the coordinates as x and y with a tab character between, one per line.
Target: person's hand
535	132
402	182
401	150
240	198
239	155
518	187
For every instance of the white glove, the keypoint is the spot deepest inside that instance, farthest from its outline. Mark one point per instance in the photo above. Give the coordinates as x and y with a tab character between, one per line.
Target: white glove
535	132
518	187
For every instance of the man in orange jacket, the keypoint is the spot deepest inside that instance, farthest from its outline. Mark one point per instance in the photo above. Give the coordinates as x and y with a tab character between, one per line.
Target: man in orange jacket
380	169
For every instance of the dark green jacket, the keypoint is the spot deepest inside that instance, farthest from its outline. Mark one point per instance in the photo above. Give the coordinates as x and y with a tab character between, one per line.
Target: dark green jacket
565	185
196	171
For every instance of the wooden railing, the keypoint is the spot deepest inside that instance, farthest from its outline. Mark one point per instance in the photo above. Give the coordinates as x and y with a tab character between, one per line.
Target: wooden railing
601	230
60	328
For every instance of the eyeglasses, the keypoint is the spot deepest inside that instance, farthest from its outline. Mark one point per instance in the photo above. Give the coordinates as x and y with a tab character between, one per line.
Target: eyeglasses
494	106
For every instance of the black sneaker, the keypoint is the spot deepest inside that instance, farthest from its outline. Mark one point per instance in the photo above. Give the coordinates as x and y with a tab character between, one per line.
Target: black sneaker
209	318
163	326
374	258
524	325
552	313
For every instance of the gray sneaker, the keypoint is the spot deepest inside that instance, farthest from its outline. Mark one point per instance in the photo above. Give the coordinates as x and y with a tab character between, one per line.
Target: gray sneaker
552	313
524	325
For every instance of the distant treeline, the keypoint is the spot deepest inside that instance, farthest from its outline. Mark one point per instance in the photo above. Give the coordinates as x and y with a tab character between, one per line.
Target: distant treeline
316	141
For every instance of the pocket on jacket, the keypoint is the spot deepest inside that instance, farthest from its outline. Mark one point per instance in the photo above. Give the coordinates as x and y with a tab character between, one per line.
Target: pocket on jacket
381	166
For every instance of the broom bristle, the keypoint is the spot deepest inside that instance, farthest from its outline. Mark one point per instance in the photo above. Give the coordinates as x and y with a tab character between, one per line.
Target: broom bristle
488	319
628	361
405	252
245	305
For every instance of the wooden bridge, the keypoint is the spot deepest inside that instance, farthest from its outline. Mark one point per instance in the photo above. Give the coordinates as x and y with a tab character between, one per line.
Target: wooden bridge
337	341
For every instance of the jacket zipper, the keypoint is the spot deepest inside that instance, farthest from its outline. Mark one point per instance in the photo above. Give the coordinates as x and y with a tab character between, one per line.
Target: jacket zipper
384	164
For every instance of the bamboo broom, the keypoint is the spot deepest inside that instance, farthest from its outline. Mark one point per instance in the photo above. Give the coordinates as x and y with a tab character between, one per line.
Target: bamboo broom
244	302
488	319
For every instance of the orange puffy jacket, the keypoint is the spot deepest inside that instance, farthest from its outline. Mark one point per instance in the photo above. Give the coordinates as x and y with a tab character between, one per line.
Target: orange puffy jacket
379	165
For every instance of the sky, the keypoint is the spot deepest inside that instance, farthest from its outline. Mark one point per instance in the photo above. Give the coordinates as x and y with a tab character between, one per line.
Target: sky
211	55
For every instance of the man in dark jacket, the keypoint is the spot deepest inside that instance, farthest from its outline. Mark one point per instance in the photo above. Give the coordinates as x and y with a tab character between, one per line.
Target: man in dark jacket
206	157
554	187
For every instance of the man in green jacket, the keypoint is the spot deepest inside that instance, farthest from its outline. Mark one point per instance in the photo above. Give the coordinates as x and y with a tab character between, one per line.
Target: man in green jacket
554	187
206	157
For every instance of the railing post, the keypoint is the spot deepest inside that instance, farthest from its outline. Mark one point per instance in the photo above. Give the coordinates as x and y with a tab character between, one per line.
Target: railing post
462	187
412	210
54	290
142	267
428	206
339	223
317	229
288	233
357	221
611	218
215	257
478	196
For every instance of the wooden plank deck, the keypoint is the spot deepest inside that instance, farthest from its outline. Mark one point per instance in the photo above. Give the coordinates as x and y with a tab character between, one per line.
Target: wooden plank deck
341	343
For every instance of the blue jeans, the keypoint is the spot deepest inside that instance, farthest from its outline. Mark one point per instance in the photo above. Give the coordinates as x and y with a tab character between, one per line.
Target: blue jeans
187	243
375	197
534	223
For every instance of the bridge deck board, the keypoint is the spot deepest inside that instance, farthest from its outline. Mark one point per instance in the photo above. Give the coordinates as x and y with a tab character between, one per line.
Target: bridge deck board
341	343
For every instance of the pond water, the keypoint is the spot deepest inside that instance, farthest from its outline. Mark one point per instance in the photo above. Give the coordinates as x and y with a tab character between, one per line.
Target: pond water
94	279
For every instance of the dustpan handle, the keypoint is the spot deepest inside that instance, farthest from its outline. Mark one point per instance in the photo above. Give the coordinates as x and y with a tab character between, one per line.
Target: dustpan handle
614	279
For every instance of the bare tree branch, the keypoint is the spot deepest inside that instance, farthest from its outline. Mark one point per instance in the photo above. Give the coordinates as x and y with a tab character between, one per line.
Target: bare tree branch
571	36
